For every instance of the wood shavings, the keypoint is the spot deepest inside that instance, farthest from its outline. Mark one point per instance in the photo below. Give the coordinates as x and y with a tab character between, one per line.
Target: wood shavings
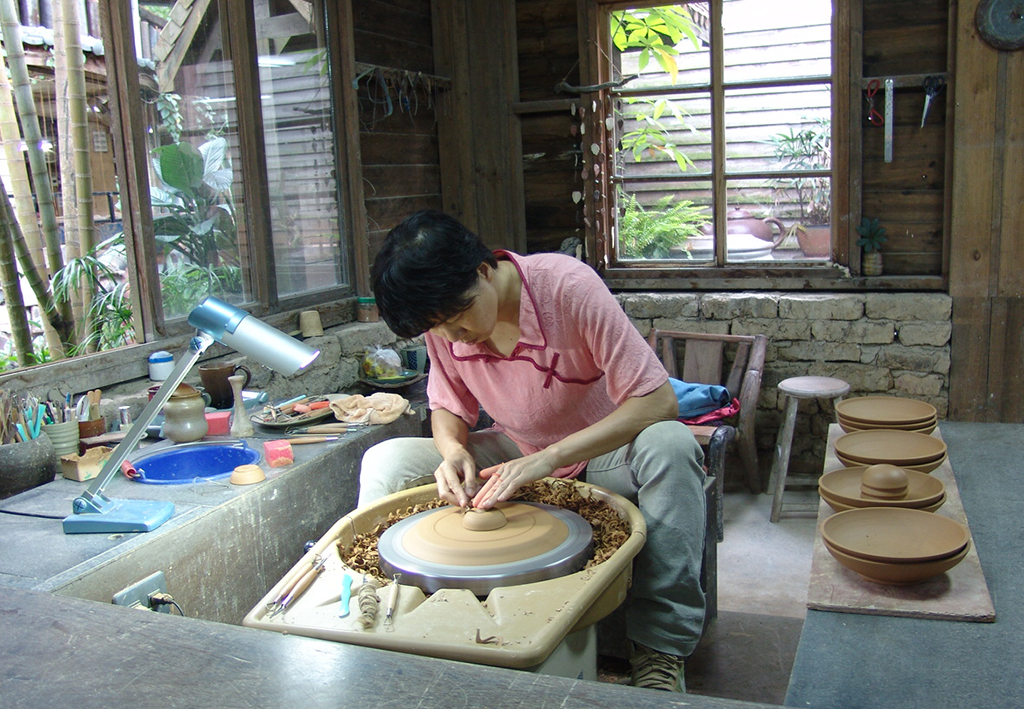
489	640
368	603
610	530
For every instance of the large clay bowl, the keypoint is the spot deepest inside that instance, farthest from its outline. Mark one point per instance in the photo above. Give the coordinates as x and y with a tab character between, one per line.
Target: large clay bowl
894	534
842	507
850	426
885	409
844	486
895	447
897	574
922	468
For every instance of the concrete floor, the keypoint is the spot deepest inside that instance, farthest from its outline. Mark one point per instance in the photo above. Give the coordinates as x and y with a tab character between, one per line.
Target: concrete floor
763	571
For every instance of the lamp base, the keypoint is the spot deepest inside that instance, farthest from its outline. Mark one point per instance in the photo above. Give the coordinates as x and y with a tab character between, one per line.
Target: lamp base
120	516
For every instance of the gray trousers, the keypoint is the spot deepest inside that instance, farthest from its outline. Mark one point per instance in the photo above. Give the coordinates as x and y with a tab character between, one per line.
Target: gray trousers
660	472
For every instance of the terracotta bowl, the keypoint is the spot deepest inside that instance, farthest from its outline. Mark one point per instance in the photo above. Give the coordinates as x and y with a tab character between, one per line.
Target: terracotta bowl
897	574
843	486
247	475
886	446
842	507
922	468
894	534
885	409
850	426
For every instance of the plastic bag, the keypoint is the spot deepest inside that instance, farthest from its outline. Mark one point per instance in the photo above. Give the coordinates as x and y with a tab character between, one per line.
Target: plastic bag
381	363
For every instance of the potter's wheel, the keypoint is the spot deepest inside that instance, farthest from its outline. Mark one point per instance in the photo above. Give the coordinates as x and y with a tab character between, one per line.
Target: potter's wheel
455	548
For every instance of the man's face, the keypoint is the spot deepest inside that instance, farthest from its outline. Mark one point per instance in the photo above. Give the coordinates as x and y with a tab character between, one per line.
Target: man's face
476	323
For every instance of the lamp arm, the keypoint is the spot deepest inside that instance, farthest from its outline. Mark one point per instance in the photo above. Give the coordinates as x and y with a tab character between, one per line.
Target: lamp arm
93	498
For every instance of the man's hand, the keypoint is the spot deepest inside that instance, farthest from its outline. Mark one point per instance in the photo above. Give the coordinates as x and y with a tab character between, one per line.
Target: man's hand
450	474
503	480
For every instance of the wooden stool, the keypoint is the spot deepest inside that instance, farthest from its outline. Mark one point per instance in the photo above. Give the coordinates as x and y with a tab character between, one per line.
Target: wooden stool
792	390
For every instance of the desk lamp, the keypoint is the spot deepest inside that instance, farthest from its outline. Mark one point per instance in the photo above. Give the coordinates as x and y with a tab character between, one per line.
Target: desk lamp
215	321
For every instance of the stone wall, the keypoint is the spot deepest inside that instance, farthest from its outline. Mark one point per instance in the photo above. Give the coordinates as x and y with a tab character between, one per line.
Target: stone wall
895	344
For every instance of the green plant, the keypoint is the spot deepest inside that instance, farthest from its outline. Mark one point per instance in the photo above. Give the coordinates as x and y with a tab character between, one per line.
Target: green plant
655	32
872	235
197	215
809	148
110	310
651	232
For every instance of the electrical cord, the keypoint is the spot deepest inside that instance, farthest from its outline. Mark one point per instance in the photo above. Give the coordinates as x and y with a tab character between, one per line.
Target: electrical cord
31	514
164	599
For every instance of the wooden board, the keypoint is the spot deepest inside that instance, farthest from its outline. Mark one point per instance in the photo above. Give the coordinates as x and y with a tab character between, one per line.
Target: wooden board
959	594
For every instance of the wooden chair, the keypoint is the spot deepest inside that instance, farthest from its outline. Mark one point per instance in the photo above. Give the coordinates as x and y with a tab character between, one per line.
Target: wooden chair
704	362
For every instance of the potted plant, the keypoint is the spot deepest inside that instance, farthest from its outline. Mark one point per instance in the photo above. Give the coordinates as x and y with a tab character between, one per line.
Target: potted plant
809	148
659	231
872	236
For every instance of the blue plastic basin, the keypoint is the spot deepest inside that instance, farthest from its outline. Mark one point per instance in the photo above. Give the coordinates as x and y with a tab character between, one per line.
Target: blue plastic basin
184	463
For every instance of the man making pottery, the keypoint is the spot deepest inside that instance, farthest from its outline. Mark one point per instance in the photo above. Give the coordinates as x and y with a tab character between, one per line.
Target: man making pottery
541	345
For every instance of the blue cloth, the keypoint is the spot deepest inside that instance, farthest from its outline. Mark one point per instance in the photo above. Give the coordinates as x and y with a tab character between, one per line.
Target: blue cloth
697	399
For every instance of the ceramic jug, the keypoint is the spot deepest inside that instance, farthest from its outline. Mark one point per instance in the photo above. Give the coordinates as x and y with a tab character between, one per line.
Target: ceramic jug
185	415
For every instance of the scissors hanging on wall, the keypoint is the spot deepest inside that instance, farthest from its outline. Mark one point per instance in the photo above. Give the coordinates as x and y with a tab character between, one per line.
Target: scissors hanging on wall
874	117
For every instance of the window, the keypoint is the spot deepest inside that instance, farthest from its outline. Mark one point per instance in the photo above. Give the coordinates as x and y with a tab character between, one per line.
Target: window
718	135
245	194
228	179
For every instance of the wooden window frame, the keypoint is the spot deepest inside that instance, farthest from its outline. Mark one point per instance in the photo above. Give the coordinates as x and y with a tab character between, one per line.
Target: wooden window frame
128	127
336	305
841	273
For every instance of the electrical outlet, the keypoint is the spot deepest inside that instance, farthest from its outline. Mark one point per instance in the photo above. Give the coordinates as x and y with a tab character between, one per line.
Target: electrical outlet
138	594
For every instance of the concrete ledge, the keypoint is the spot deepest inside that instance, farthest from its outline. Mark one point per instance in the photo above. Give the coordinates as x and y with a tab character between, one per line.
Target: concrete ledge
223	548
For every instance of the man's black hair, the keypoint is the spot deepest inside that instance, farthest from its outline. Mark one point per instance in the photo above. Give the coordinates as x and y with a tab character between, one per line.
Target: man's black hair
424	270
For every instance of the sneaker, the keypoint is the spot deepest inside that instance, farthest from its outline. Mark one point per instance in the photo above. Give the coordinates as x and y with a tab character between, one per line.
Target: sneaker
656	670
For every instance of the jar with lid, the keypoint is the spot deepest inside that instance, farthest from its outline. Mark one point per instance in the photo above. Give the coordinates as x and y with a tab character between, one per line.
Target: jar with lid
366	310
185	415
161	364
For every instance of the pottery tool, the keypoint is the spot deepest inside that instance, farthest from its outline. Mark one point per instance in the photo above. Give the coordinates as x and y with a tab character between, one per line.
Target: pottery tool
389	612
302	440
346	595
324	428
298	586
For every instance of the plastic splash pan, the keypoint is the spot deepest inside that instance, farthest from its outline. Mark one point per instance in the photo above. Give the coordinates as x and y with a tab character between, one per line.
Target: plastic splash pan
514	626
185	462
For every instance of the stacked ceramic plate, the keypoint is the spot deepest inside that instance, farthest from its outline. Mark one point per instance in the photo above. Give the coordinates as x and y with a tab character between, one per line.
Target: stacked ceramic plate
895	545
909	450
881	485
869	413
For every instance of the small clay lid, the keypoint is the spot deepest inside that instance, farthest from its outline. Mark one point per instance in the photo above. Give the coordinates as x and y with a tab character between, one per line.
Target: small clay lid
184	390
884	481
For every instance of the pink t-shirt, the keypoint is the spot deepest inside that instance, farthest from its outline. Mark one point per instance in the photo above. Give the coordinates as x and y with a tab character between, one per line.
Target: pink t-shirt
578	358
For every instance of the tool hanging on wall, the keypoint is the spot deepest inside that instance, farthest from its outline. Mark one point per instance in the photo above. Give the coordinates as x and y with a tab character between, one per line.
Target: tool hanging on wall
933	86
888	119
874	117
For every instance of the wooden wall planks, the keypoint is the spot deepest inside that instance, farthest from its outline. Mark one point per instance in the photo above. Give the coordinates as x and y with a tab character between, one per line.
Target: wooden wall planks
986	251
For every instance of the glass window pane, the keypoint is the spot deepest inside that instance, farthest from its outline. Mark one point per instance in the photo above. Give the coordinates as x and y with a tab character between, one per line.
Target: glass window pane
665	46
298	124
663	135
195	185
665	221
778	128
776	40
771	220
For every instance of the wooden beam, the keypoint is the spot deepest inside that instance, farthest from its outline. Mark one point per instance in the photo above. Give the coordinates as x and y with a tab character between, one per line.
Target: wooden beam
349	156
127	125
